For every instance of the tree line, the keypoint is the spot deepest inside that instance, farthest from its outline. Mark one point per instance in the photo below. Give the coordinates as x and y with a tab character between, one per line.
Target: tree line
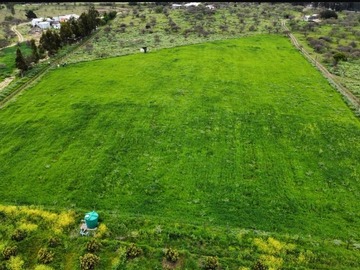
70	32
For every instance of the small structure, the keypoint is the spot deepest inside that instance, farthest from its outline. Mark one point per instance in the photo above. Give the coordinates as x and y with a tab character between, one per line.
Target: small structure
312	18
192	4
43	25
91	220
34	22
143	49
176	6
211	7
56	25
83	229
65	18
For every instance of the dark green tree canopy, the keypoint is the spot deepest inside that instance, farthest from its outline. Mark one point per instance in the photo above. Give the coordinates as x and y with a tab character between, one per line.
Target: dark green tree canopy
20	62
30	14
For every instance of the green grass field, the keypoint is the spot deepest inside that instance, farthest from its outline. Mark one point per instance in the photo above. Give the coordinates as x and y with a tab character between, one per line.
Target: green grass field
7	59
241	133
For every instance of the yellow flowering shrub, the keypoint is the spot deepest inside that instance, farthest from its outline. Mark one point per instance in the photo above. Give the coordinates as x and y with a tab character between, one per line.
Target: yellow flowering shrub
28	227
101	231
57	222
15	263
272	246
43	267
272	262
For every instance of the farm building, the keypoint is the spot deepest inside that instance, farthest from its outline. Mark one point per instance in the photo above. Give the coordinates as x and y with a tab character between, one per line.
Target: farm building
175	6
192	4
54	22
65	18
56	25
43	25
312	18
34	22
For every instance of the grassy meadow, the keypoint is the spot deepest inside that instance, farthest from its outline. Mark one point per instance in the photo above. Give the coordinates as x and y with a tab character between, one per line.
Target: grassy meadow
7	59
239	133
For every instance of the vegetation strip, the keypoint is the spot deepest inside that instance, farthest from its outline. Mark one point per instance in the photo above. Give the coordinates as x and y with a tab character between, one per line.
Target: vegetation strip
355	101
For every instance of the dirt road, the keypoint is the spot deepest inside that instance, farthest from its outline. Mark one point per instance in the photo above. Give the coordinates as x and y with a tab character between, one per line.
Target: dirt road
345	92
20	36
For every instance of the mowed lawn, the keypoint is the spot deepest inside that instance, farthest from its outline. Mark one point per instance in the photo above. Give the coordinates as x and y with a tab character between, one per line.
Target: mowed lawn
241	133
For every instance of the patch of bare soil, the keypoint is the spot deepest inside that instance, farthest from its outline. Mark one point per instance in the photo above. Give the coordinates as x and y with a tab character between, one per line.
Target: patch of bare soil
6	82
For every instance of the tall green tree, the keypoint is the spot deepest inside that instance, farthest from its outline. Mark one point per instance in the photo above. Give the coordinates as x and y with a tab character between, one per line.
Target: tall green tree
20	62
35	54
75	29
30	14
88	21
66	33
50	41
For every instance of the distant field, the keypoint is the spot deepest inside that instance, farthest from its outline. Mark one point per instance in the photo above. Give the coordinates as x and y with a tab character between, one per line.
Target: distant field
242	133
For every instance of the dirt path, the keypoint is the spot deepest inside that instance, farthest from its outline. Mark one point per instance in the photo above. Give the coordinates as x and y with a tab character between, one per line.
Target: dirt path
20	36
6	82
345	92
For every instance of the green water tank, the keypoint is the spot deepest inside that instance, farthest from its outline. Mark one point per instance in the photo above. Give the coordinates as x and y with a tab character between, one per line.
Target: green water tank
91	219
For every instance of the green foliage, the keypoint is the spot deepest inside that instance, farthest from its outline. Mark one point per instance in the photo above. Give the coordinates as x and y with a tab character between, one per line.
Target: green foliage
9	251
30	14
18	235
133	251
93	245
89	261
259	266
45	256
88	22
327	14
211	263
54	242
15	263
50	41
109	16
35	54
20	62
7	59
172	255
339	56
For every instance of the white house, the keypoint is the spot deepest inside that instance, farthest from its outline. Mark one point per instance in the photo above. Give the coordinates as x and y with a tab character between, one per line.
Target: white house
56	25
65	18
34	22
43	25
312	18
175	6
192	4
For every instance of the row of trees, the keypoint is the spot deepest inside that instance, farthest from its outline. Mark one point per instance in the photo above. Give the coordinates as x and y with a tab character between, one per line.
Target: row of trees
71	31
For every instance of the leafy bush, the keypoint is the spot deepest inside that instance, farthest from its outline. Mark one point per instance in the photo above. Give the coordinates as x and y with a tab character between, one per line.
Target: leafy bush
18	235
172	255
93	246
45	256
15	263
339	56
54	242
133	251
89	261
9	251
259	266
211	263
327	14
